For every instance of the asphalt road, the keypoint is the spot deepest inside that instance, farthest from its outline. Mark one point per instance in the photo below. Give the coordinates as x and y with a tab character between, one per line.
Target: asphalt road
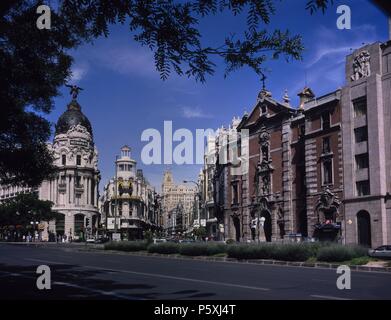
101	275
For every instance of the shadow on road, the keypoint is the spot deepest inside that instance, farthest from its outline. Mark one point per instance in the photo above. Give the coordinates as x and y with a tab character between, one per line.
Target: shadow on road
71	282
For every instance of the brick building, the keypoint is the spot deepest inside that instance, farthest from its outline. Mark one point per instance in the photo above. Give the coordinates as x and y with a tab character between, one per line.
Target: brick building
319	170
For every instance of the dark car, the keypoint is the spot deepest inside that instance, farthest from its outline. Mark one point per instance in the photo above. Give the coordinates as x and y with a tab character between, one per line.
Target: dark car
102	240
382	252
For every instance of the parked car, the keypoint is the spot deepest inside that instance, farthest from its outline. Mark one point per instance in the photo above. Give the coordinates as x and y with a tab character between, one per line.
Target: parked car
187	241
382	252
102	240
159	240
91	240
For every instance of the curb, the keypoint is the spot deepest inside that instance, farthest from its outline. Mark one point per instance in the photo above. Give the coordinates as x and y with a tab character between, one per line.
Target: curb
316	265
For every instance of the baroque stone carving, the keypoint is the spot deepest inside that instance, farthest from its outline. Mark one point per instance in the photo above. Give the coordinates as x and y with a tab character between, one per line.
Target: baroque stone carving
361	66
327	208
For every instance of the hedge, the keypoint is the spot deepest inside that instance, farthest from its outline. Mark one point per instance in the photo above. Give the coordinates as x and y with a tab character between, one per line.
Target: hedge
338	253
202	249
164	247
126	245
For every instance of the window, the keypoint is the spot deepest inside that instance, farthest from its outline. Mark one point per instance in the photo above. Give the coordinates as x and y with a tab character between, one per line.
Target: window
361	134
121	167
326	120
326	148
64	159
363	188
302	130
235	194
360	108
362	161
78	181
78	160
327	171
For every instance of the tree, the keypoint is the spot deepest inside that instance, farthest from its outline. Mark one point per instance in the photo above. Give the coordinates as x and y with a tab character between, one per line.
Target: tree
35	63
25	208
200	232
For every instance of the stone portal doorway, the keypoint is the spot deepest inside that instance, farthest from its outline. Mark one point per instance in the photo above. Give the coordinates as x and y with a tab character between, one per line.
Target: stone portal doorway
236	223
364	228
267	225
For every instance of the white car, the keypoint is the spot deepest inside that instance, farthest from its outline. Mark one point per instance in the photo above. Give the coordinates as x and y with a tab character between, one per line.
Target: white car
159	241
381	252
91	240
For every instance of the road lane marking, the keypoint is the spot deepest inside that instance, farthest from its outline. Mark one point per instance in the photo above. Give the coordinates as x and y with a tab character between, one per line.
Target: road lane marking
156	275
328	297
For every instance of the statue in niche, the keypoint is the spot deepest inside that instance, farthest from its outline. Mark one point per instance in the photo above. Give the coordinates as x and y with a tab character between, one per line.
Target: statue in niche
327	208
266	184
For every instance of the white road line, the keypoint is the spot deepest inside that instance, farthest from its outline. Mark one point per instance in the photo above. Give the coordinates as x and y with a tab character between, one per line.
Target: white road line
328	297
163	276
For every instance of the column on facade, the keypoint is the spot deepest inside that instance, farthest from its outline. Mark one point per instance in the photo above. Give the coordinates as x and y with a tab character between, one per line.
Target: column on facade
287	181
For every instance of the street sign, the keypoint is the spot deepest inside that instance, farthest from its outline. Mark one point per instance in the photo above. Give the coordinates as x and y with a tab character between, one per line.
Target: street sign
116	237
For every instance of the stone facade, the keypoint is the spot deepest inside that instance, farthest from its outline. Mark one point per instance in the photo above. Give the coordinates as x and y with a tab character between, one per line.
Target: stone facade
129	204
174	195
366	116
320	170
74	187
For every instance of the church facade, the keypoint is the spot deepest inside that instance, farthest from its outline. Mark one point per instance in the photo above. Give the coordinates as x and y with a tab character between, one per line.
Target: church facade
320	170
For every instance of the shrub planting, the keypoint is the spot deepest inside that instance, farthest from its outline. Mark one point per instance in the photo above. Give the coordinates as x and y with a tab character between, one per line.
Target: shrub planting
164	248
250	251
216	249
193	249
338	253
126	245
292	252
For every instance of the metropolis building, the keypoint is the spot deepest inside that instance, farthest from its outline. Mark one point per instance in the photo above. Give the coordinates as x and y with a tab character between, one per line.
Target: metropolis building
74	187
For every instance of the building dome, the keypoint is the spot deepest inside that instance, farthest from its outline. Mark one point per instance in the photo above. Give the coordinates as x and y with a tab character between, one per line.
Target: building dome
72	117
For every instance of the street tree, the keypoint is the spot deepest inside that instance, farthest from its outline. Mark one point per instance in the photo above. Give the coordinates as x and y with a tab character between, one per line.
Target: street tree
25	208
35	63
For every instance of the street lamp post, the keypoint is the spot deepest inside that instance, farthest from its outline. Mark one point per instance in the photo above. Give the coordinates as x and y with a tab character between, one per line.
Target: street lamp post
199	198
116	194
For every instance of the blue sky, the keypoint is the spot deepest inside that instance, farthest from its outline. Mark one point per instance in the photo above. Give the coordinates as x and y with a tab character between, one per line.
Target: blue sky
123	94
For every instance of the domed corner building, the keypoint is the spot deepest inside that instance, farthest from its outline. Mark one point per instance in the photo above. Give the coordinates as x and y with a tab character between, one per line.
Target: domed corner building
74	188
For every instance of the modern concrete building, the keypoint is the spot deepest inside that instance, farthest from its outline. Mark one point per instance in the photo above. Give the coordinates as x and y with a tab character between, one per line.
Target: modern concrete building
366	118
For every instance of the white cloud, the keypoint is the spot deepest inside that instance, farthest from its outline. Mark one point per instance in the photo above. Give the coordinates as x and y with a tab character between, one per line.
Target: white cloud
78	73
127	60
194	112
325	67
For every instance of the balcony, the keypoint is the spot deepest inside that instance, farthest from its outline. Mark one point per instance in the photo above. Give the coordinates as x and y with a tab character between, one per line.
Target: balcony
361	147
362	175
360	121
